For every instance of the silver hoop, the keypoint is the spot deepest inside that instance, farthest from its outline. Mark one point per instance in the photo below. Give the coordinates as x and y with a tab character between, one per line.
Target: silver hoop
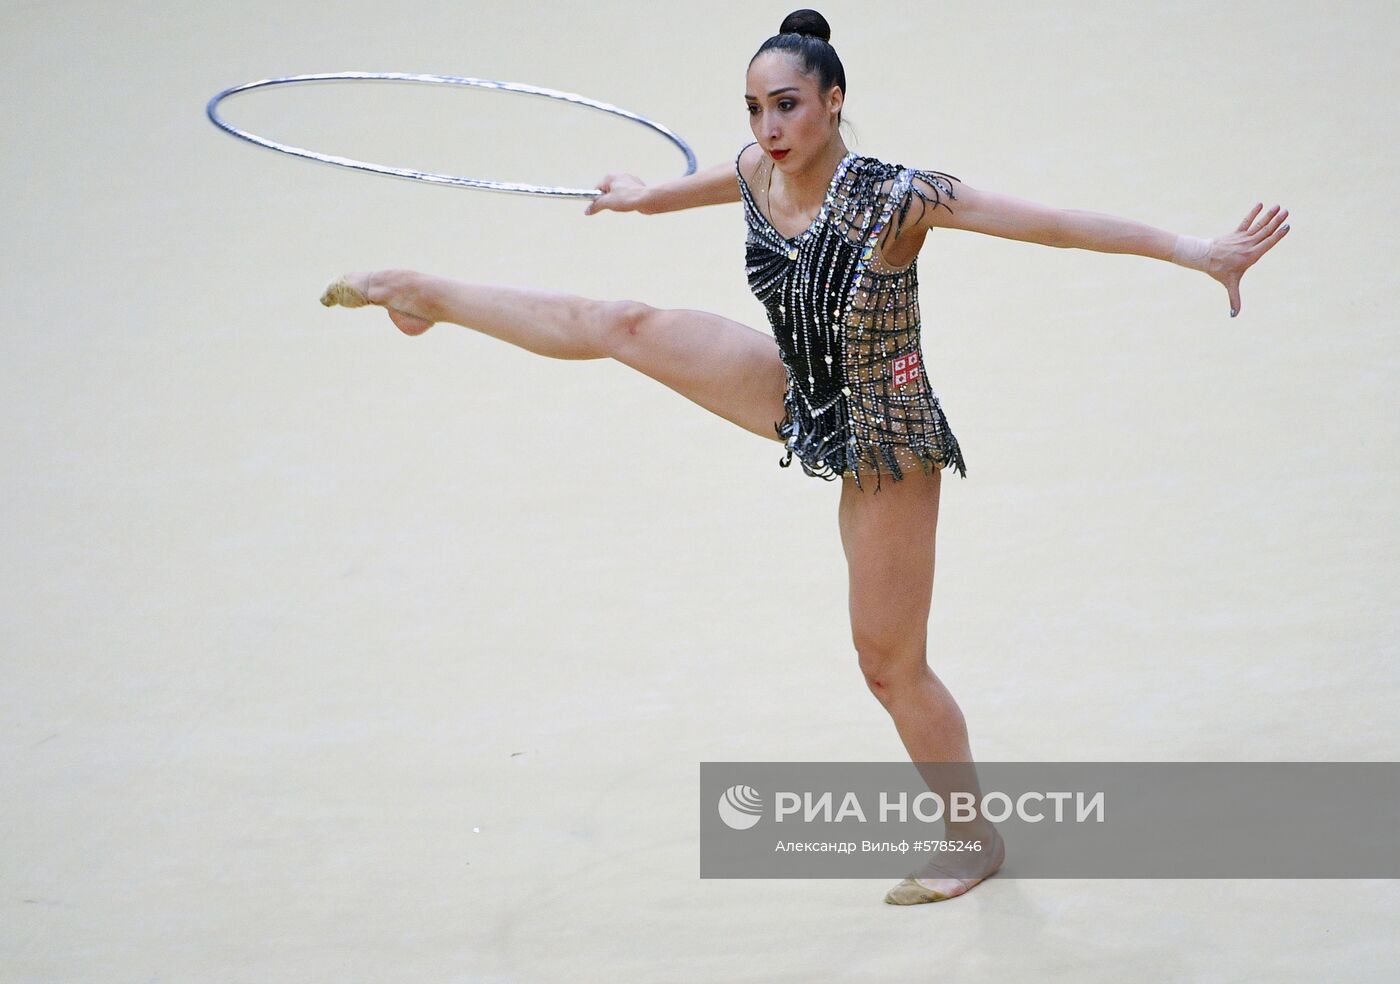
448	179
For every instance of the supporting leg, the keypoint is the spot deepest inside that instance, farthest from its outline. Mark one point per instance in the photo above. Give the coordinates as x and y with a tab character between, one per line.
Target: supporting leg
889	542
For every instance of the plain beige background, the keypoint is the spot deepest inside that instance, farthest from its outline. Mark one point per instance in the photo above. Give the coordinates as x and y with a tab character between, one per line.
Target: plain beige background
331	654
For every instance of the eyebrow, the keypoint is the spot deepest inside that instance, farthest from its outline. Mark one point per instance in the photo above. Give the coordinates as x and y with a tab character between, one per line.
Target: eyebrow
786	88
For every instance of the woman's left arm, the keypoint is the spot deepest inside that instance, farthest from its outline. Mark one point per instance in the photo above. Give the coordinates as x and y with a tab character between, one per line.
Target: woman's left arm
1224	258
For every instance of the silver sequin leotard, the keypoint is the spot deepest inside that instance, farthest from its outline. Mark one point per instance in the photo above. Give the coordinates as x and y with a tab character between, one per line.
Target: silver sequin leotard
847	326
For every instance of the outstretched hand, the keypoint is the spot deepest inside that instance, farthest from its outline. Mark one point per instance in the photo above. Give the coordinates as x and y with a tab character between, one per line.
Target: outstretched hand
619	192
1235	252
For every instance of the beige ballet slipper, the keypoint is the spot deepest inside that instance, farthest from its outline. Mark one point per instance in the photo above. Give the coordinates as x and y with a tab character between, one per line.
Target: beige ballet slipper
916	891
913	891
343	294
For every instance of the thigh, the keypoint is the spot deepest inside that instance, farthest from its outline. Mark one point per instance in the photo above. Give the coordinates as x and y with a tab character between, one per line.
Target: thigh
726	367
889	539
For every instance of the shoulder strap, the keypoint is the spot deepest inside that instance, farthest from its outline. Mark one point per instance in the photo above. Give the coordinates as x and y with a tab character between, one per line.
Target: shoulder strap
886	203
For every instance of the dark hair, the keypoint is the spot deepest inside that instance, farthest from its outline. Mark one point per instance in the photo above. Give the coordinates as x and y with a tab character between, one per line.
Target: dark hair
807	35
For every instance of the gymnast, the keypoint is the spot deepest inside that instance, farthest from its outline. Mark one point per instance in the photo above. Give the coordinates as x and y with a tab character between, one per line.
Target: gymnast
832	243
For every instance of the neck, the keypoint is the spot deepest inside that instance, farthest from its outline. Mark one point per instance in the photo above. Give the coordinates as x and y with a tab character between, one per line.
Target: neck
810	184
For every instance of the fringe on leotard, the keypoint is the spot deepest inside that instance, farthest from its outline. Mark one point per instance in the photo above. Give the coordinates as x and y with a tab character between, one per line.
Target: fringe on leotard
823	451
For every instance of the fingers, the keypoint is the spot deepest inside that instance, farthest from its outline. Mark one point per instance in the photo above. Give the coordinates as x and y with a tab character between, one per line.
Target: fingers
604	187
1263	220
1257	235
1264	245
1244	226
1268	223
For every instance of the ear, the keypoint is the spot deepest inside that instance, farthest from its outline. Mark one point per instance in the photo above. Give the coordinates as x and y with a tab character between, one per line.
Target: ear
835	99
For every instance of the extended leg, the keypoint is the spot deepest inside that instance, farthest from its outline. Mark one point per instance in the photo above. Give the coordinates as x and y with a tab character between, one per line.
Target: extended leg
724	366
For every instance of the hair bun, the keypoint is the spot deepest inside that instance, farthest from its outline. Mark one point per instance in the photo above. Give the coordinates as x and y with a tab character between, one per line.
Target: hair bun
807	22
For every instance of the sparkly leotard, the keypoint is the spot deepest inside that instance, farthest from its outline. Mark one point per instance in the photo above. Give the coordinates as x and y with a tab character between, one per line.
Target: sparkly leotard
847	327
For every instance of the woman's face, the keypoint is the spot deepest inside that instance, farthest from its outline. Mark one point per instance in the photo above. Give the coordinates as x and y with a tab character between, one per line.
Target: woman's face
787	113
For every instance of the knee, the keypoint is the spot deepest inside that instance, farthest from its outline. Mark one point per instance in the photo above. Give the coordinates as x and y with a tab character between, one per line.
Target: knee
891	670
618	324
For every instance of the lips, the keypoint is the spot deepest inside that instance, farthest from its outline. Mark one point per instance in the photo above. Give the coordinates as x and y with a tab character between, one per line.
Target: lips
778	155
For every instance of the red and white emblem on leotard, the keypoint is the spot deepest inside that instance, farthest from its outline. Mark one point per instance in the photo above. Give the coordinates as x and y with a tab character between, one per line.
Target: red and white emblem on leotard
904	368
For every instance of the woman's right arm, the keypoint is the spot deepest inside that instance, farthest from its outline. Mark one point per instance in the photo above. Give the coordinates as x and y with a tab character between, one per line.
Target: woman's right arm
716	185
